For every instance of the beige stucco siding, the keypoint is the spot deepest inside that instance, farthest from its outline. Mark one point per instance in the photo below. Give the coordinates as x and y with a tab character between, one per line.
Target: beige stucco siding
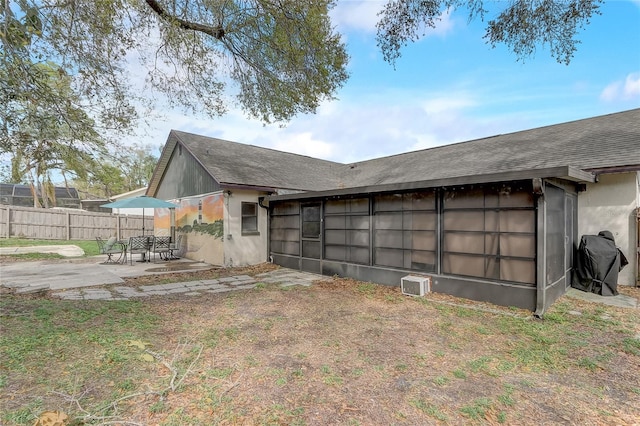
610	204
242	250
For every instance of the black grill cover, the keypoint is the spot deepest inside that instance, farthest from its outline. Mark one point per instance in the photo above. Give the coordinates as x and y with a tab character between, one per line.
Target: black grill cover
597	264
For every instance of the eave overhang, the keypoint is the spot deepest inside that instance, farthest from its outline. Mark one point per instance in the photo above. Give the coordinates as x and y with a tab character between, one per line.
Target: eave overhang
235	186
615	169
568	173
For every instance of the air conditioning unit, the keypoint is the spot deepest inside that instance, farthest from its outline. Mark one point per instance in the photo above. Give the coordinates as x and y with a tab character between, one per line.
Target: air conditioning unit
415	286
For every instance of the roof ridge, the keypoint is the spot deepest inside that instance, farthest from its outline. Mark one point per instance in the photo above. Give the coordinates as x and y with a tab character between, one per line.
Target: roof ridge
177	132
449	145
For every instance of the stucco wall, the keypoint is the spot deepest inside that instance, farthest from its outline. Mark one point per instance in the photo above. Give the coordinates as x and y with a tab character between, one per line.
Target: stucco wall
203	248
198	221
610	204
242	250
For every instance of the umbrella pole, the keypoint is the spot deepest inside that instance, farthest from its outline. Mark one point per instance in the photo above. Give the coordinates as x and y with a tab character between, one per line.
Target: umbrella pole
172	227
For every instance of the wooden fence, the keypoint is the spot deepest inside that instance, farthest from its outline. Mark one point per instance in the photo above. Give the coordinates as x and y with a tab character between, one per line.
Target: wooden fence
53	224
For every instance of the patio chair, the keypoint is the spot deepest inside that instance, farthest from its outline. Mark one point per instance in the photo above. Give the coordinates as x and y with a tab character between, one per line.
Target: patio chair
111	247
161	246
175	248
140	245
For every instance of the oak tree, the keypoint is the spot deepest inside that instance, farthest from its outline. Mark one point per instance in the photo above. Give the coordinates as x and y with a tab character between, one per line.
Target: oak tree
283	57
522	25
44	130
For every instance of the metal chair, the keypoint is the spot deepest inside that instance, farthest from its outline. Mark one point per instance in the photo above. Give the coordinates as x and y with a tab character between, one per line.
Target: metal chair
162	246
175	247
111	247
139	245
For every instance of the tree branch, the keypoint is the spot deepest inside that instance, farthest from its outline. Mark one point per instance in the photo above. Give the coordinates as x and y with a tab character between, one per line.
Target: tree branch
217	32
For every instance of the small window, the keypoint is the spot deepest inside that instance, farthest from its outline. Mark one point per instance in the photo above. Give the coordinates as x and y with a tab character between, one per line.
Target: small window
311	221
250	219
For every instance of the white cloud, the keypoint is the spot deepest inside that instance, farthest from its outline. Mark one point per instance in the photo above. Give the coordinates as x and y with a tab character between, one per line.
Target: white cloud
356	128
305	144
622	90
632	86
444	26
442	103
362	16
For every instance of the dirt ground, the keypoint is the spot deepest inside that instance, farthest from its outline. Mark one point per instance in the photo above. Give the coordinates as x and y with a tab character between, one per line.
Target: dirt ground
345	352
214	272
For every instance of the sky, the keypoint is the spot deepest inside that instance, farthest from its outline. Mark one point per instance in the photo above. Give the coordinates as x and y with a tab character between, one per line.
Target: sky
449	87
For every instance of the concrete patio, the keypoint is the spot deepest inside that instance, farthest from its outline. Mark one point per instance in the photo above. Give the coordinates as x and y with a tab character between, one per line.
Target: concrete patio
90	279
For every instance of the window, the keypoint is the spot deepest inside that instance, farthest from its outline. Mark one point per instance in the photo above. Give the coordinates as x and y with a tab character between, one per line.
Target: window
250	219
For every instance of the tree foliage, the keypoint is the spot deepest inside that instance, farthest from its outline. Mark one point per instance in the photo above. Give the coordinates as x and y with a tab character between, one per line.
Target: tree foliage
42	127
282	55
522	25
127	169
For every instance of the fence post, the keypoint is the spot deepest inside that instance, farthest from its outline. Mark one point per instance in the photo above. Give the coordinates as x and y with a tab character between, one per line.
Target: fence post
118	232
8	222
68	226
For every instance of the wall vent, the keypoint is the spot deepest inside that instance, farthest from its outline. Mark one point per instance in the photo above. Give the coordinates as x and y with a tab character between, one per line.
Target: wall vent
415	286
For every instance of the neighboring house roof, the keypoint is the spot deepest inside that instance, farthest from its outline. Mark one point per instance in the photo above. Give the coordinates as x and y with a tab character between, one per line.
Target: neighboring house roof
574	150
130	194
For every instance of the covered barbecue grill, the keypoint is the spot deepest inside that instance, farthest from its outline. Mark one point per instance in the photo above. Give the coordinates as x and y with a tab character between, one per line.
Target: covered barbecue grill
598	262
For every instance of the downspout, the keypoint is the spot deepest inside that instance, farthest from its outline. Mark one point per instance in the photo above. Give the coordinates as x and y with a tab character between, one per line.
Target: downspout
260	203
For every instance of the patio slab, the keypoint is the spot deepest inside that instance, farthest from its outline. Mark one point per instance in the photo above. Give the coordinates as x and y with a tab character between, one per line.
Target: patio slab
35	276
55	276
619	300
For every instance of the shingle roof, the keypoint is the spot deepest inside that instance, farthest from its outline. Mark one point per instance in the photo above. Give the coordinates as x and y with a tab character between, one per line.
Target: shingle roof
234	163
602	142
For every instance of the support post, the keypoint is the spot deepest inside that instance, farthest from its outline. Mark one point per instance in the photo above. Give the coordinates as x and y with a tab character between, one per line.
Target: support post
541	258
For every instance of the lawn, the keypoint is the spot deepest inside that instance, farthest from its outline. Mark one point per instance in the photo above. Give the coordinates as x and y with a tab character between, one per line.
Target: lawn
90	247
338	352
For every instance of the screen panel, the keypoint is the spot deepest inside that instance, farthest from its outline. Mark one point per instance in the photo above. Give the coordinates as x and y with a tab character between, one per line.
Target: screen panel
489	231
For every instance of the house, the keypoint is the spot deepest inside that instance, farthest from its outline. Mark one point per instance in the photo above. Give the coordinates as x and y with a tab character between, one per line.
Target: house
131	211
494	219
220	187
94	204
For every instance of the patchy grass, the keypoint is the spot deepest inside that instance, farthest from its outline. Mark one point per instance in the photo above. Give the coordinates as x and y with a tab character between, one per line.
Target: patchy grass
338	352
90	247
